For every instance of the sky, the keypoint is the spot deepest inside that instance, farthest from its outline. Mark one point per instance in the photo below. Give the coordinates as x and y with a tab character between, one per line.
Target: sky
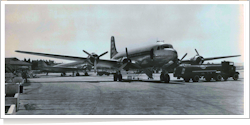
212	29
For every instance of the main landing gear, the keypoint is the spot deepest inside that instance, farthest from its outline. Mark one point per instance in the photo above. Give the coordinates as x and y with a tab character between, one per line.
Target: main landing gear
118	76
165	77
63	74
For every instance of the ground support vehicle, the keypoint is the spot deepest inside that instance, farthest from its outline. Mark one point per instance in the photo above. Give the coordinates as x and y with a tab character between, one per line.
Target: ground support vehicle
224	70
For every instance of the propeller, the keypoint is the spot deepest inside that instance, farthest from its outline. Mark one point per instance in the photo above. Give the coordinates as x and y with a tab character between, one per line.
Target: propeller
94	58
197	52
199	59
127	60
183	57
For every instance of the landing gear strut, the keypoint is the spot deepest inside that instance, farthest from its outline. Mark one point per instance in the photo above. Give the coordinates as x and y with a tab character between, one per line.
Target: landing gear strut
63	74
118	76
165	77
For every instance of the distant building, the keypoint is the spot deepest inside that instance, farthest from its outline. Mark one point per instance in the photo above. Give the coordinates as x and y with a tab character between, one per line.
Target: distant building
14	64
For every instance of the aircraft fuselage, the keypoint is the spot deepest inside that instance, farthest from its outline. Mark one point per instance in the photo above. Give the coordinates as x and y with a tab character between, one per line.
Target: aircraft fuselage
151	56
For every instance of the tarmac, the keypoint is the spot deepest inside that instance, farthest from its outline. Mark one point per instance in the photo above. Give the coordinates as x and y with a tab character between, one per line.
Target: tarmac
100	95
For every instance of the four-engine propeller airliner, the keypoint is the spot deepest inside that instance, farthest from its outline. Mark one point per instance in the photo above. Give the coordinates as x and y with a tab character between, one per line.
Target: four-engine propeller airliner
63	68
160	55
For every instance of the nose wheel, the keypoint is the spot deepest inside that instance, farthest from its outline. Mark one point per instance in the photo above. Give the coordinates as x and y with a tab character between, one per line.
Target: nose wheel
117	76
164	78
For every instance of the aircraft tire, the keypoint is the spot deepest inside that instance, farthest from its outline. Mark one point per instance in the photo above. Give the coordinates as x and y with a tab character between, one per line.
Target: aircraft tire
196	78
115	77
236	76
162	77
120	77
77	74
166	78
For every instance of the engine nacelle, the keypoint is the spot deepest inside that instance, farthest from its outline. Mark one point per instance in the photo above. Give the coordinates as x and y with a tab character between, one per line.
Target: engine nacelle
93	58
197	60
125	60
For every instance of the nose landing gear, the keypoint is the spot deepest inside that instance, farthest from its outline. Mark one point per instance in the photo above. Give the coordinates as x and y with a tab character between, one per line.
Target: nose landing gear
165	77
118	76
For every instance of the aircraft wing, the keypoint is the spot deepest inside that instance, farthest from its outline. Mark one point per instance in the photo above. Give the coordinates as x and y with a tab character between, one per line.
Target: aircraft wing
212	58
70	64
101	62
74	58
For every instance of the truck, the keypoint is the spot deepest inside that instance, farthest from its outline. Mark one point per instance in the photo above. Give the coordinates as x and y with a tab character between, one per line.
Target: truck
223	70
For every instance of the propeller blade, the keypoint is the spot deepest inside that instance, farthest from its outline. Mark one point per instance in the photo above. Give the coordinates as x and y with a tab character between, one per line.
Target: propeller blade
197	52
87	53
183	56
95	65
103	54
126	52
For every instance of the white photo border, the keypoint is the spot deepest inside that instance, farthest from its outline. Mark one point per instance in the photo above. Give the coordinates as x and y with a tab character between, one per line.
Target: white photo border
246	60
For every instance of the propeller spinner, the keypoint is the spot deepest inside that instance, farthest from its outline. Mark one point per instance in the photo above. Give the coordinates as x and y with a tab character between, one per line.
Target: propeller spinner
94	58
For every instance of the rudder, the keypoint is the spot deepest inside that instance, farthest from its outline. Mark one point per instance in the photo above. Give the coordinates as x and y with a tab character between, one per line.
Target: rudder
113	50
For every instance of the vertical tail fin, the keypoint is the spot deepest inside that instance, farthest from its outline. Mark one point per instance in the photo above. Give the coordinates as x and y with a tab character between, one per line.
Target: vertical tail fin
113	50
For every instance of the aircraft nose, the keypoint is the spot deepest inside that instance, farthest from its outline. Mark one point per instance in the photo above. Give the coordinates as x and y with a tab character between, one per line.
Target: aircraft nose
175	54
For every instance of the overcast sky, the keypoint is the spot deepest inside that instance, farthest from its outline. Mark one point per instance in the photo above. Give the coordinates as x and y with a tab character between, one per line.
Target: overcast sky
214	30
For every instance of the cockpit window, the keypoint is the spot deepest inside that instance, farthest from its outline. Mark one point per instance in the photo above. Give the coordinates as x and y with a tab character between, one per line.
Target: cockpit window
166	46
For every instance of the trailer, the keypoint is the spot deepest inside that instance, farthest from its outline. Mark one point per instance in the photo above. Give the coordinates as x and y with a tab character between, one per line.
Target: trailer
216	72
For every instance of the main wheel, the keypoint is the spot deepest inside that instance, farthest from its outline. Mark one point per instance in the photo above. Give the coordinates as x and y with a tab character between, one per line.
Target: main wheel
196	78
236	76
120	77
115	77
77	74
218	77
162	77
86	74
166	78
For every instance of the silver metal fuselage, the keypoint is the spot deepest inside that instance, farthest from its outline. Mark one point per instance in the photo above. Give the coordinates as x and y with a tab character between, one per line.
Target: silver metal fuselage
142	56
